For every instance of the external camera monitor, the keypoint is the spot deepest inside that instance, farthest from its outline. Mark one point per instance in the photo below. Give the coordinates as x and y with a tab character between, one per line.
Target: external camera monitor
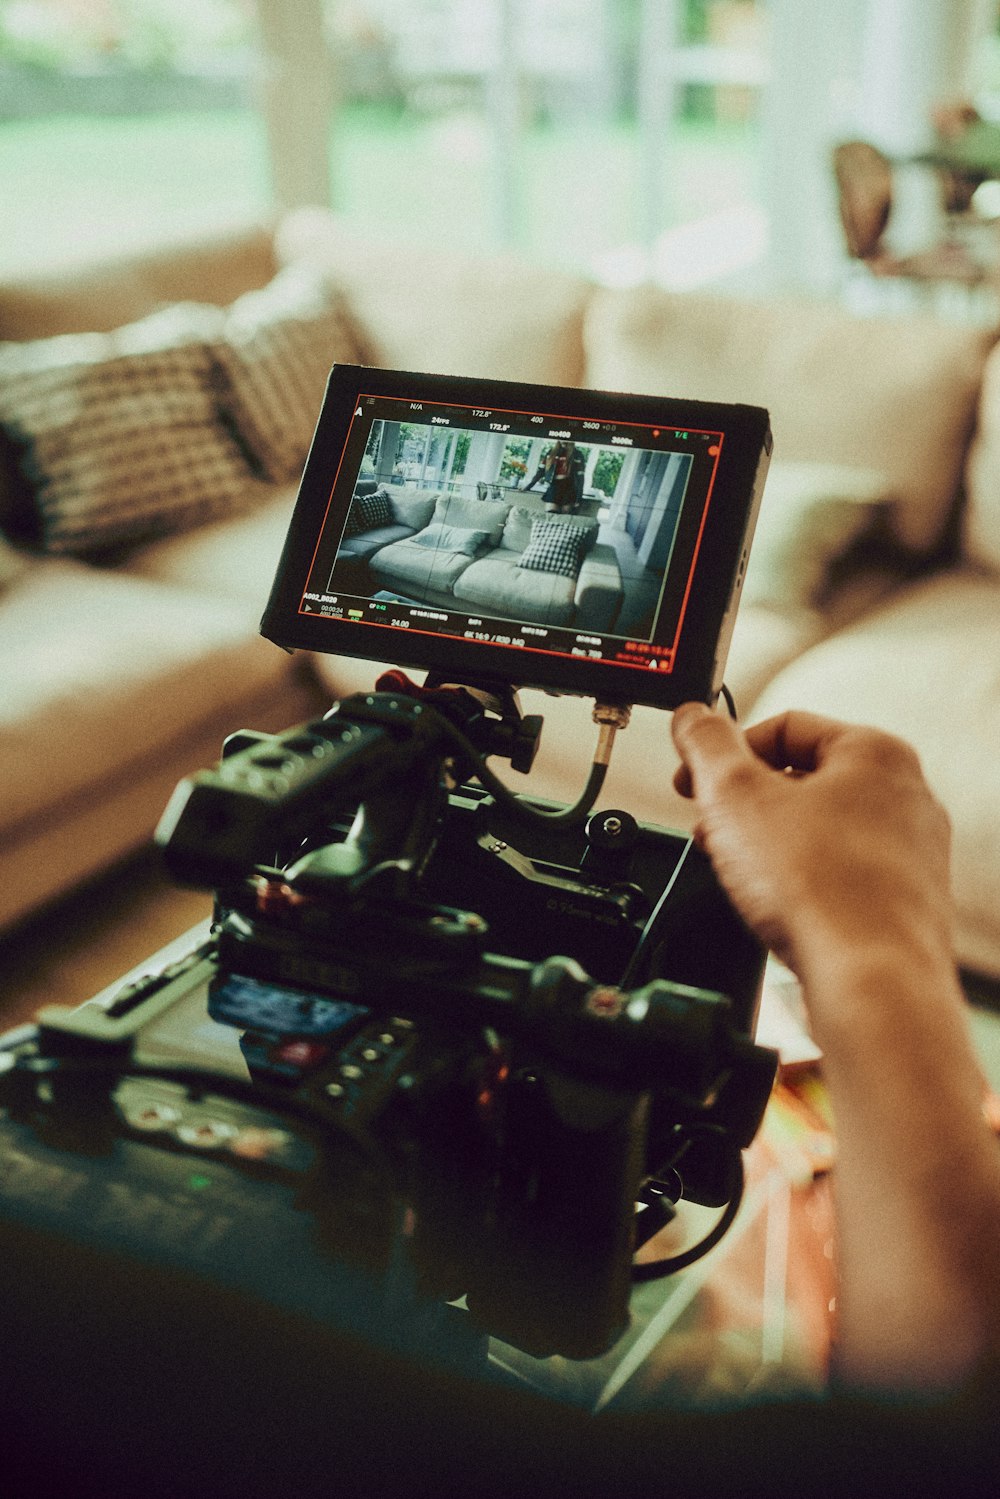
574	540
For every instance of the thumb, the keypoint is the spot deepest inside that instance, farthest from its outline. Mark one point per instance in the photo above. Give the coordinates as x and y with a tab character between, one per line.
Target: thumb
711	747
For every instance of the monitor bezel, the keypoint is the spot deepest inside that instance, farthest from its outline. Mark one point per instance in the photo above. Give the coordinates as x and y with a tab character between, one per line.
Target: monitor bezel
716	578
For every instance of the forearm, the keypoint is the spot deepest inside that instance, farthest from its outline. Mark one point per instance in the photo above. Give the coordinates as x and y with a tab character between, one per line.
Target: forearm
917	1181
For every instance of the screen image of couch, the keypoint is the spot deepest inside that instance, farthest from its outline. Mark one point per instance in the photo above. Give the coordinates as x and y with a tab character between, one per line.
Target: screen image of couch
482	556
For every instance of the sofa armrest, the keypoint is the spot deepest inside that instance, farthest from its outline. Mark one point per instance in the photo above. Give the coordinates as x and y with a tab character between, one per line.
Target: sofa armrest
598	595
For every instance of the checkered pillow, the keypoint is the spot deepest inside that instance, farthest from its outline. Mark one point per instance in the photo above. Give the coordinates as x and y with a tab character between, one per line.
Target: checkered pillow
376	509
368	512
276	350
119	435
556	546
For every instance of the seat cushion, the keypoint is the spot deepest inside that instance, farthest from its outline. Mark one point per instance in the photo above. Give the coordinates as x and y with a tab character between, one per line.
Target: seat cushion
100	670
498	585
926	666
234	559
420	570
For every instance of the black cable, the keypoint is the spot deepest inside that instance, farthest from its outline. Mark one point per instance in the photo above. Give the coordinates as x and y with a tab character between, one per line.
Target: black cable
648	934
565	817
729	701
658	1269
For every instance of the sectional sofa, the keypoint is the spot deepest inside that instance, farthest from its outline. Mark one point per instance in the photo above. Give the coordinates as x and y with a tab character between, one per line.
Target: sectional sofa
155	414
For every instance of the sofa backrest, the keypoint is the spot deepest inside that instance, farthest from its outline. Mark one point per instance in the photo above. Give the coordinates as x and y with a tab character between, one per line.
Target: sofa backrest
446	311
110	293
894	395
412	507
475	515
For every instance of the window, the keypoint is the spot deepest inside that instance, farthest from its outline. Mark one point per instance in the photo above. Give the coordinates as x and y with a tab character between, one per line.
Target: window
123	121
472	123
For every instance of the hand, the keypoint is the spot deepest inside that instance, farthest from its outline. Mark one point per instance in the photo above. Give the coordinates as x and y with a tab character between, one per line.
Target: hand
825	836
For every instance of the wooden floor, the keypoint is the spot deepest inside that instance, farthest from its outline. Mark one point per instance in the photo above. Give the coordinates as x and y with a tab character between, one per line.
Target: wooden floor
79	946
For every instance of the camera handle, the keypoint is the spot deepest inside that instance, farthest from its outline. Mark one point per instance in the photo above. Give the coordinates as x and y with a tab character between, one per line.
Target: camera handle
272	792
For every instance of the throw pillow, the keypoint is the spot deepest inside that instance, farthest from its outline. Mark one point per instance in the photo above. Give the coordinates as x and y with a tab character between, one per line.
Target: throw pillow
811	516
368	512
451	539
12	563
376	509
276	349
555	547
118	436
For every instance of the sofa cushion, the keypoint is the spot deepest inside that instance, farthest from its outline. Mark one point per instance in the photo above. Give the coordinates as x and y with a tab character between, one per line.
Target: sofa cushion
894	394
517	528
451	539
369	511
496	584
367	543
413	507
459	315
119	435
167	422
234	559
476	515
107	294
418	569
926	666
982	475
101	670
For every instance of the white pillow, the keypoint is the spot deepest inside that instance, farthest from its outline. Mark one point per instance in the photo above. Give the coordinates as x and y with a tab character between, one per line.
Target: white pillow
811	516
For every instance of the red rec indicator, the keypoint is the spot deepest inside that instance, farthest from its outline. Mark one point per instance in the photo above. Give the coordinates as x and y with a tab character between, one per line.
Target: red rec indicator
713	451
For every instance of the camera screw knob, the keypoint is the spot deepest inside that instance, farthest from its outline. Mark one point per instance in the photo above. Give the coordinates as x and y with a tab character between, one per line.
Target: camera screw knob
612	831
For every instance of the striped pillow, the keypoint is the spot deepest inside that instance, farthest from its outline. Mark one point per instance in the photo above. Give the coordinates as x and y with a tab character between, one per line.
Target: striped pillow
182	418
277	348
119	437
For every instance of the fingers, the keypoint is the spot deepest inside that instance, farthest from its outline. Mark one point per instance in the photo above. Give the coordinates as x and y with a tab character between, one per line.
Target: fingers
710	747
797	741
710	744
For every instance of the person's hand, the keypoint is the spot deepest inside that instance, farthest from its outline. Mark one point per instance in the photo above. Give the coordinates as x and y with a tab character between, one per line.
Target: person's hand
825	836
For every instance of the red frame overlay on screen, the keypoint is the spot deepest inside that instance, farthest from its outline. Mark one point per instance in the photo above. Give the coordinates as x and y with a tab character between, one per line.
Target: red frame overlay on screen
576	540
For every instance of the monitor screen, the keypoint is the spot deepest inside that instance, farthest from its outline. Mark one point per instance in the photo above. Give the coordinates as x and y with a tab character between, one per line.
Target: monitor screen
576	540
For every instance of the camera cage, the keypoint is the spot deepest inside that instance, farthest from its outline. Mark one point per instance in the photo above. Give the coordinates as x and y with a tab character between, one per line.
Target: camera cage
584	1048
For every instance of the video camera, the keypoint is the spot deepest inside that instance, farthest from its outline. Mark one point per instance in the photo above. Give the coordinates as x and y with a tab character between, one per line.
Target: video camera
485	1043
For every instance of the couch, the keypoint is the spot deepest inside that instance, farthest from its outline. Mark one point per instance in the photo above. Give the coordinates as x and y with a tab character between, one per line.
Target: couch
155	413
492	556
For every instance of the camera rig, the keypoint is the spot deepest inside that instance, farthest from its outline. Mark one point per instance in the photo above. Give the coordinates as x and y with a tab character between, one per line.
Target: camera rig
501	1027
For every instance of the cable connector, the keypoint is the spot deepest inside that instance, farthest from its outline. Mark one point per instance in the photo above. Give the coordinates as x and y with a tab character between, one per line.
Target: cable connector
610	717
